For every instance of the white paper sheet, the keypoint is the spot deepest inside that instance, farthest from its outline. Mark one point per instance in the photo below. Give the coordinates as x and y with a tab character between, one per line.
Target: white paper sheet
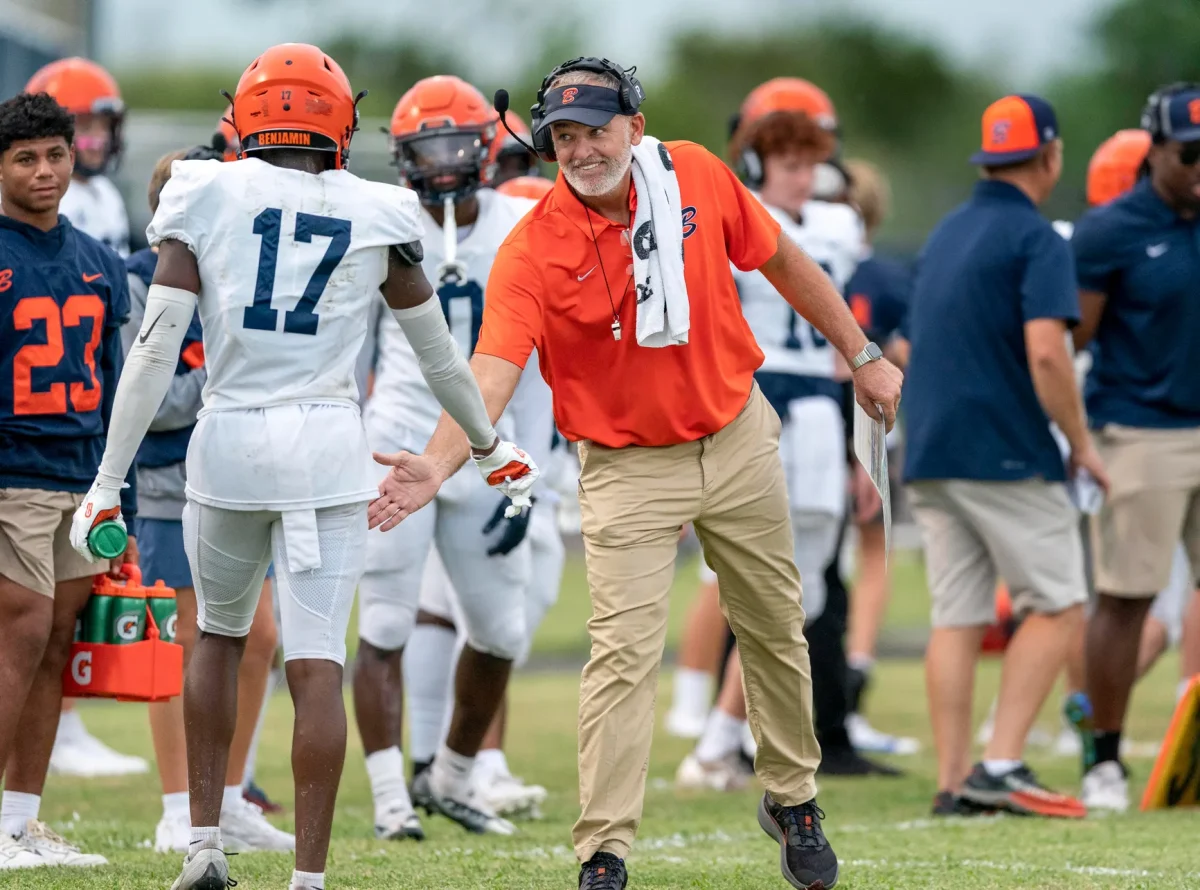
870	447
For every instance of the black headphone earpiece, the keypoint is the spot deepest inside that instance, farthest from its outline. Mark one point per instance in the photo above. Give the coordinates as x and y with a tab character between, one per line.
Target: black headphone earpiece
1156	109
630	94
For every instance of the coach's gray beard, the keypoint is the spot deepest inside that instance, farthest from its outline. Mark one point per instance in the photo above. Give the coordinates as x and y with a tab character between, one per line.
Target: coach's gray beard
615	170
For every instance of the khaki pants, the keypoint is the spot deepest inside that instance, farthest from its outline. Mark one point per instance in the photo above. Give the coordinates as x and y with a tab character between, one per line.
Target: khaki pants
634	501
35	543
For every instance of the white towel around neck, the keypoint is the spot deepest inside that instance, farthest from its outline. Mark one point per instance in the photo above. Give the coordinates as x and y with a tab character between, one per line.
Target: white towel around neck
663	311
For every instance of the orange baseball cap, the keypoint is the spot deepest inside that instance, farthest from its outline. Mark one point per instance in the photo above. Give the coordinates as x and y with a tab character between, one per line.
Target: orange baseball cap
1014	129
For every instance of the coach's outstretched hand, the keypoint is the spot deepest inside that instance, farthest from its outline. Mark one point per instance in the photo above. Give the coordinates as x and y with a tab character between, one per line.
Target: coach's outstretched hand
878	383
410	485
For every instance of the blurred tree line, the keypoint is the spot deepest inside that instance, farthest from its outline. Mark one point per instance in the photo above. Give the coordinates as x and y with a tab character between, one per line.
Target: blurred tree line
900	101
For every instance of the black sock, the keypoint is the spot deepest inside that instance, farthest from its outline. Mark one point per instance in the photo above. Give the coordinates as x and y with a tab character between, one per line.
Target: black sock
1108	746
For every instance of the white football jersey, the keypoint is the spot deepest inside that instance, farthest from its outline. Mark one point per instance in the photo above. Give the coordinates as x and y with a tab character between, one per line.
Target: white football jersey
402	408
833	235
290	269
96	208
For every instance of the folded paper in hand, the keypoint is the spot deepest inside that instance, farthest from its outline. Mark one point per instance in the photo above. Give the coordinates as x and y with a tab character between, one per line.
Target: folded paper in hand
870	447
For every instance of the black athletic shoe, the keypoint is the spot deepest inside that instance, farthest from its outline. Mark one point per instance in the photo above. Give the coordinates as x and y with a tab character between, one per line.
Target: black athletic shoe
947	803
805	857
845	761
857	682
1019	791
604	871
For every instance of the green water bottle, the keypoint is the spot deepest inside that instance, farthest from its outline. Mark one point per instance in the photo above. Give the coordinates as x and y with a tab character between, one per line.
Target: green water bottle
128	619
96	616
161	600
107	539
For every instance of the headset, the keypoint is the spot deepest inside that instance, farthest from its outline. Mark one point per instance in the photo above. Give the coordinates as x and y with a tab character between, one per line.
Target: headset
629	92
1156	113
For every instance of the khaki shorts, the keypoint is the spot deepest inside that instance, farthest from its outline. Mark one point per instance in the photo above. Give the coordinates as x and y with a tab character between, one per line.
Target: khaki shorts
976	532
35	545
1154	503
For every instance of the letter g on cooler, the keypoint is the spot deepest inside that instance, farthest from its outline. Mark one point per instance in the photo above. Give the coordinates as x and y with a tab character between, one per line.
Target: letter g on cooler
81	668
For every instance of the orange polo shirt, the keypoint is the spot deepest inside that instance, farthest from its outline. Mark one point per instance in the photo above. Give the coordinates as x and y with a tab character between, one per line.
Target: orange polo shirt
547	292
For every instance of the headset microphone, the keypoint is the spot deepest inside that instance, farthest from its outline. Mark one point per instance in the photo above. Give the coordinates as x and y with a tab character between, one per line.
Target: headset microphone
500	103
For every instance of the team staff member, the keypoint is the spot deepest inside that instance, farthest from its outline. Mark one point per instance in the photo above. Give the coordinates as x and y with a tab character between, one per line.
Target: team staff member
63	296
991	305
667	435
1137	263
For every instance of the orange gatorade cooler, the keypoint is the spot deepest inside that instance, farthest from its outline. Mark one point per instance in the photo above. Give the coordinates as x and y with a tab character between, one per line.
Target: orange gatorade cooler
124	651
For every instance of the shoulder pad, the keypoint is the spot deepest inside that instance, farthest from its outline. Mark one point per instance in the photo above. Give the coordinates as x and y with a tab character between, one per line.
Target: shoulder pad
411	253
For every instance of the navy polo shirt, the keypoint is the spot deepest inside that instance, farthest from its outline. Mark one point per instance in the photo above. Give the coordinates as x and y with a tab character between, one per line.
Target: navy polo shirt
989	267
1146	259
878	294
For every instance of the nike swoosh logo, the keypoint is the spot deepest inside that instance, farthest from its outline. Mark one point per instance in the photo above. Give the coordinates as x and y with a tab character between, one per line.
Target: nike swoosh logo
1154	251
145	334
585	274
90	278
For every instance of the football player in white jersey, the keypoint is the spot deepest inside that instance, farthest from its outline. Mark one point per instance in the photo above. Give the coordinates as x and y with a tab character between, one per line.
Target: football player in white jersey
285	252
800	376
441	131
92	202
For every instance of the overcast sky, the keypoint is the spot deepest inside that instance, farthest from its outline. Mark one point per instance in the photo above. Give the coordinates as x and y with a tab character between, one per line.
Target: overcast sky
1023	40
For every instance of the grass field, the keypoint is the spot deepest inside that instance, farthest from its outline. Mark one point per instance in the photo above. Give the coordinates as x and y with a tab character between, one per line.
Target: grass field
880	827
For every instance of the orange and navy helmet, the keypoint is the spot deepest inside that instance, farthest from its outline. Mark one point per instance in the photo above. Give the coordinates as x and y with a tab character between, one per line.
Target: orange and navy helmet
1115	167
787	94
1014	129
295	96
83	87
508	157
225	137
526	187
442	132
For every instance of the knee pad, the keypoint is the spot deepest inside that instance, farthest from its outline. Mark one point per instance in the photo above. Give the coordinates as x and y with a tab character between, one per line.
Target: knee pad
498	631
386	616
227	587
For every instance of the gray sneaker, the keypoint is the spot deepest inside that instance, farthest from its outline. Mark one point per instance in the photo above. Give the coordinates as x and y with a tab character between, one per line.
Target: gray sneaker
206	870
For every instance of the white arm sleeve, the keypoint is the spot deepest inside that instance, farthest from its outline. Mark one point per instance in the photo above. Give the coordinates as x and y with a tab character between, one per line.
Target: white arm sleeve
446	370
146	378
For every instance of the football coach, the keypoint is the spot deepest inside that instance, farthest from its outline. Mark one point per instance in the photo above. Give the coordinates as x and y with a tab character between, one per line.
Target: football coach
620	279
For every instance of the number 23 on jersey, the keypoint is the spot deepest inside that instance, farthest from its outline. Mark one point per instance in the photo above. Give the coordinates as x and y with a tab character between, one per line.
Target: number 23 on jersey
304	319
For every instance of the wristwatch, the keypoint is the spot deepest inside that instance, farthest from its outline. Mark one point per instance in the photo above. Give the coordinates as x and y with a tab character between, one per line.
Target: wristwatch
870	353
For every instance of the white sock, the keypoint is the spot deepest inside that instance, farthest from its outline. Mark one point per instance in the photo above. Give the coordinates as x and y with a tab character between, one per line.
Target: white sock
428	671
273	680
997	768
231	797
204	839
692	691
491	762
451	776
749	746
722	736
307	880
860	661
385	769
70	726
176	805
16	809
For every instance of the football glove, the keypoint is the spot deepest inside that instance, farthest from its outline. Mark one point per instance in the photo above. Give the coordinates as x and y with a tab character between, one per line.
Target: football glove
102	502
515	527
511	472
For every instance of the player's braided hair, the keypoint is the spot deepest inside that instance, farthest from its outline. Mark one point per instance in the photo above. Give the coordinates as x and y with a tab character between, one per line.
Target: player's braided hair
29	116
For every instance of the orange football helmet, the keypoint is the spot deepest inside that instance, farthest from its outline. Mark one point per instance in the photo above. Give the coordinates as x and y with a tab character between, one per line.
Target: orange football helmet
788	94
295	96
526	187
82	87
442	132
225	137
1114	168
